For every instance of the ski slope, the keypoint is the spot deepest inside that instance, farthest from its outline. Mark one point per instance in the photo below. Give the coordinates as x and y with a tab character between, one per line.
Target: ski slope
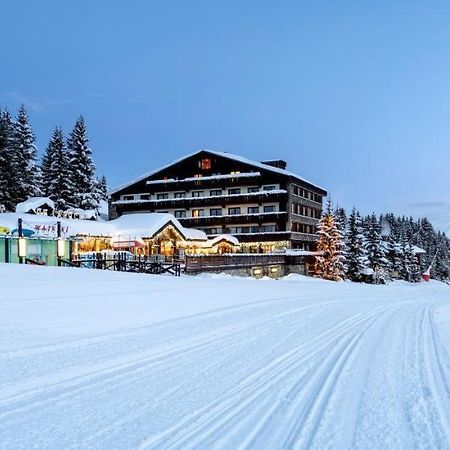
90	359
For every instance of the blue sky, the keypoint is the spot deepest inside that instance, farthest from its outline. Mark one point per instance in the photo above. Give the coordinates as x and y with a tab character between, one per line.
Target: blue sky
354	95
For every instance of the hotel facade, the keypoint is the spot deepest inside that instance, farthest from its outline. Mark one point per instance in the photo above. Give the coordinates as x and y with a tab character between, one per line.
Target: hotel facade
266	207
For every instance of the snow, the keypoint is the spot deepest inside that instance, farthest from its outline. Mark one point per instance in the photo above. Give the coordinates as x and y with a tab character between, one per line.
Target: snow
138	225
222	154
209	177
223	237
104	360
33	203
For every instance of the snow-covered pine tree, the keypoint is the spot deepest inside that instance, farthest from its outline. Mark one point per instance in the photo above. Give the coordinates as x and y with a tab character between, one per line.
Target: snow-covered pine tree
82	168
341	224
101	188
329	261
442	262
375	249
27	176
56	179
356	248
6	160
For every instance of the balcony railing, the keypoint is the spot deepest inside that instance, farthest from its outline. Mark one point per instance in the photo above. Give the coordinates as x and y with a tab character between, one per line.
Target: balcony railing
233	218
207	200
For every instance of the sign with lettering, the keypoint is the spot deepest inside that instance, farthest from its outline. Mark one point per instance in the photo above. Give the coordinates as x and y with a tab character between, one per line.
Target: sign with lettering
63	214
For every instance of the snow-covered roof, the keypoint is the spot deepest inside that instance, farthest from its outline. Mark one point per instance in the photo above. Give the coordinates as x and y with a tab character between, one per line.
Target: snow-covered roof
221	154
417	250
135	225
223	237
34	203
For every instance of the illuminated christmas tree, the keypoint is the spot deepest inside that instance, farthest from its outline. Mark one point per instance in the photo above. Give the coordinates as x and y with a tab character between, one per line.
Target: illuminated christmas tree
329	261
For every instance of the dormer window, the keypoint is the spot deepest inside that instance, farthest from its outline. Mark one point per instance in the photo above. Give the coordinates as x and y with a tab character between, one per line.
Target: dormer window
205	164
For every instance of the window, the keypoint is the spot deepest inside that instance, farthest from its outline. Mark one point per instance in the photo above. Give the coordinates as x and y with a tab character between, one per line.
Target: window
270	208
180	213
162	196
212	230
213	192
198	175
215	212
269	188
253	189
128	197
197	213
253	209
268	228
234	191
234	211
235	172
197	193
145	197
179	195
254	229
205	164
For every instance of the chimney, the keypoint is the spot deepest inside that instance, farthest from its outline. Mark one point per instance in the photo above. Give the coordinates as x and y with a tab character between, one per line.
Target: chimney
278	163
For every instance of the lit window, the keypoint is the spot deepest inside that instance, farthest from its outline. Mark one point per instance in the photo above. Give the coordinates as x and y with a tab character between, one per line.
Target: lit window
205	164
198	175
197	212
235	172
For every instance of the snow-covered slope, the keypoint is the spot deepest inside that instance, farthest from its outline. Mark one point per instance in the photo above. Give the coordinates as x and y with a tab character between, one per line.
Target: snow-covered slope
90	359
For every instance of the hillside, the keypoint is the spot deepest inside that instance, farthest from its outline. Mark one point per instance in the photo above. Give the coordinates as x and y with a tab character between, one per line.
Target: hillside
91	359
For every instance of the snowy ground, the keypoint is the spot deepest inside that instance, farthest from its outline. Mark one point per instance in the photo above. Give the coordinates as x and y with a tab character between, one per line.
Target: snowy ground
90	359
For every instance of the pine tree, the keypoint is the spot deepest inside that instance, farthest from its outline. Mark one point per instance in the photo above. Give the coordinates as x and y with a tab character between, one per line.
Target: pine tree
356	248
27	177
376	254
329	261
6	160
82	168
101	188
56	180
341	224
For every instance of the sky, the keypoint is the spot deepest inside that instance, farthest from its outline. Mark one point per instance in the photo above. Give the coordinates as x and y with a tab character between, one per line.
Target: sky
354	95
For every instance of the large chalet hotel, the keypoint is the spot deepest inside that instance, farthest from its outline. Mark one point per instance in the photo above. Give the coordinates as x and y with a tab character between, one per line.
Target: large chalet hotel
266	207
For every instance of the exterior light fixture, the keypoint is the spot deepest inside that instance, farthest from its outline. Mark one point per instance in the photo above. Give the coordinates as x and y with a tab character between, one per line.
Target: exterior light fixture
60	248
257	271
22	247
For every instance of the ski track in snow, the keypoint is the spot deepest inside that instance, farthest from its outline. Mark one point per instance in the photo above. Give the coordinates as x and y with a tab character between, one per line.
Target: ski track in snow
230	364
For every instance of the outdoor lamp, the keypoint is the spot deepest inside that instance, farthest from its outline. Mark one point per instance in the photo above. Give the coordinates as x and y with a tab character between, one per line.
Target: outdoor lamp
61	248
22	247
